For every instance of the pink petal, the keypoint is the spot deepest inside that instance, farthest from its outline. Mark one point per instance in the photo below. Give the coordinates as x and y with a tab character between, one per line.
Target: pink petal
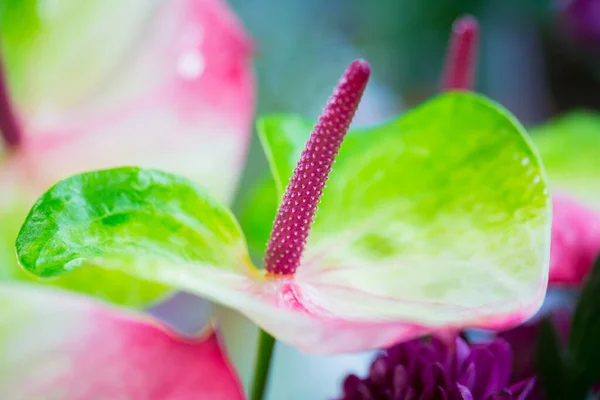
56	346
182	102
323	319
575	240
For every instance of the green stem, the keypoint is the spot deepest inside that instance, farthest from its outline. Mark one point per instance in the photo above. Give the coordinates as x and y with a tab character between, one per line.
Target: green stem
266	343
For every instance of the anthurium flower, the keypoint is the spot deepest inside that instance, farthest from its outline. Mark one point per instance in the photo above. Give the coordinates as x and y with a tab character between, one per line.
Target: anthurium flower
98	84
569	147
436	220
60	346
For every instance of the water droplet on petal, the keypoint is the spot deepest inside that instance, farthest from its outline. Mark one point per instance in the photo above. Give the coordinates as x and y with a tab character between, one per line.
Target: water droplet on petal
190	65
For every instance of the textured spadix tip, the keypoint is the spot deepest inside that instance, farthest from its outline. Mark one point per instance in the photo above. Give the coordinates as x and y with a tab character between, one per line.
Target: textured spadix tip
297	210
465	27
462	54
360	68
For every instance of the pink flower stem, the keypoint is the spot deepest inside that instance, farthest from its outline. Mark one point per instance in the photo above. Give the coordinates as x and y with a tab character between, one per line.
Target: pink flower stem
459	71
10	128
297	210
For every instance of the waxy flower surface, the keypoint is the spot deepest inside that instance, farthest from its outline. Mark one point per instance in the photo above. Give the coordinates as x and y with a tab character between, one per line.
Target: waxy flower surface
59	346
410	235
99	84
568	147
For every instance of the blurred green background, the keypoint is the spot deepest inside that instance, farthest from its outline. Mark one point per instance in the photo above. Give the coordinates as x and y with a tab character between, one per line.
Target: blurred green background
537	57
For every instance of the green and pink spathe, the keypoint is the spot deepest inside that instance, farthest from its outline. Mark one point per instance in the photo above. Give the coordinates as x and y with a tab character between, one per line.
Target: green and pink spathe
410	235
568	146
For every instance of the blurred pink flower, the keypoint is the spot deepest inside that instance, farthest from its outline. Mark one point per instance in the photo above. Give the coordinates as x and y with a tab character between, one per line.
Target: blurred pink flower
162	84
181	99
58	346
166	85
575	240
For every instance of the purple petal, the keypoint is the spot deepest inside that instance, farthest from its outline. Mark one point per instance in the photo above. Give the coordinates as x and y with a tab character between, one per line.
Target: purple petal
350	385
485	383
411	394
363	392
522	340
465	393
427	394
523	389
440	393
463	350
400	382
502	362
422	377
379	370
441	376
428	354
405	353
442	351
432	371
467	376
580	19
504	394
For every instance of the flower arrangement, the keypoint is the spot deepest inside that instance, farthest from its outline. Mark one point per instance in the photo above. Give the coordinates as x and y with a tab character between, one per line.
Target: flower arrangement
403	237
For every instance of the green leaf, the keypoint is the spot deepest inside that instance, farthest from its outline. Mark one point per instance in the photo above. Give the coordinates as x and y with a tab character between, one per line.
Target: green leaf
584	348
258	213
553	374
150	226
283	138
569	146
408	210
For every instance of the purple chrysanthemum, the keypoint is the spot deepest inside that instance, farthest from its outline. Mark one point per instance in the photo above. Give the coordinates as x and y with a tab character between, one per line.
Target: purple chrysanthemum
427	369
581	18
